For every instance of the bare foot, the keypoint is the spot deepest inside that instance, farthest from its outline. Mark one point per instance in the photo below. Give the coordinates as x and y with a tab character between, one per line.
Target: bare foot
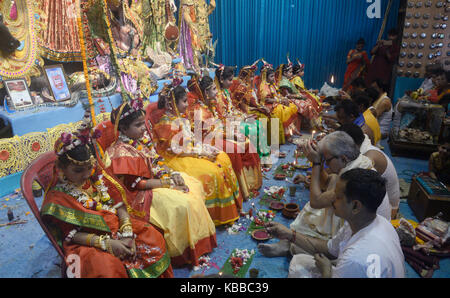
280	249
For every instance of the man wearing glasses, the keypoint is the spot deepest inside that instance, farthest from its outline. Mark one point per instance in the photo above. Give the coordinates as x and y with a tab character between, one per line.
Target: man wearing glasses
339	153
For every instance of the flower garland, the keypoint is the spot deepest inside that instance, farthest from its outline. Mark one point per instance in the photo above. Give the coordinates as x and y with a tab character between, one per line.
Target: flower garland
85	67
101	199
158	169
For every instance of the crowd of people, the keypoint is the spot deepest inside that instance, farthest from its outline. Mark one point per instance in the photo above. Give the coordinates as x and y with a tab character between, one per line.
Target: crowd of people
140	193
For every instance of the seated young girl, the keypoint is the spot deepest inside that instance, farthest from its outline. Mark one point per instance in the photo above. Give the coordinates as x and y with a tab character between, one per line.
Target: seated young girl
307	107
279	108
86	213
174	202
243	155
245	101
175	142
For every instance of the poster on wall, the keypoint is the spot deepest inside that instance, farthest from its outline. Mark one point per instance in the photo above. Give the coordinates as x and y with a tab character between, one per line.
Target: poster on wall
19	94
58	83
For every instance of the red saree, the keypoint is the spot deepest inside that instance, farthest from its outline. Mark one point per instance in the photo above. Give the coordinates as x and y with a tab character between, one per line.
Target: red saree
355	68
188	230
63	213
246	165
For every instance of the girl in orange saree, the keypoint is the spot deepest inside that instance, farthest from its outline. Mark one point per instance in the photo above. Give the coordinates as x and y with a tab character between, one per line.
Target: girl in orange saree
173	200
86	213
307	106
244	99
279	108
209	165
243	155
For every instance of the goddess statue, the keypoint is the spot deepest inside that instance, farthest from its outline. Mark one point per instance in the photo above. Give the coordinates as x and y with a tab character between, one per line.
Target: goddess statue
195	34
19	54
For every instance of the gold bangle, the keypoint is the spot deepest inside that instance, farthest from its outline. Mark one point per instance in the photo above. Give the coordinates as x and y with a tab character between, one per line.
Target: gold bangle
109	247
122	228
97	242
89	239
124	221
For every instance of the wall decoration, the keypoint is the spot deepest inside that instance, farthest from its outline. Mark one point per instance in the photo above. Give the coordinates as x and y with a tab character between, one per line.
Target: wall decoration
426	42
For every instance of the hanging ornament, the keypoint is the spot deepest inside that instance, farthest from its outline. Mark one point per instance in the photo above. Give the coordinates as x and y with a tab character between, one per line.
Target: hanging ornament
13	11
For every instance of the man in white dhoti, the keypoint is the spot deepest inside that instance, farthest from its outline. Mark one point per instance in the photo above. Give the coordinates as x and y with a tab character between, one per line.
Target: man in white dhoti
367	246
317	219
382	163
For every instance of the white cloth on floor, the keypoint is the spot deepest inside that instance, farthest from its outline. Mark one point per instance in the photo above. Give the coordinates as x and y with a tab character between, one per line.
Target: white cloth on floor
374	251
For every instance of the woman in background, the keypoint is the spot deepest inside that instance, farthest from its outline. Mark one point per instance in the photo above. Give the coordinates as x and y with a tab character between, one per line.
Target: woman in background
358	62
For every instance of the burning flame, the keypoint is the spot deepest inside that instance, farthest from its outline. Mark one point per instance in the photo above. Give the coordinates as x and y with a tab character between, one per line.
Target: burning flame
332	79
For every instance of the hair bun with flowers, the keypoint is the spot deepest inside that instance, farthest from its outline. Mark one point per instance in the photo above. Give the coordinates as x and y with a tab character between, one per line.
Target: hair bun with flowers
135	105
83	136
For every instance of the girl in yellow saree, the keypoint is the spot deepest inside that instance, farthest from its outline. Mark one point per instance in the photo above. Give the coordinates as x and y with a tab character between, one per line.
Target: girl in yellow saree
209	165
175	201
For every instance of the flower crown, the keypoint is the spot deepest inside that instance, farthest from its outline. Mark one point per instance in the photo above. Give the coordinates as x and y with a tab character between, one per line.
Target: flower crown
168	91
83	136
135	106
266	65
249	69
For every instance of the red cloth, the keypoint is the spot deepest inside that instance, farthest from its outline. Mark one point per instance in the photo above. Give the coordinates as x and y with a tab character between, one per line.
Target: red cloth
381	67
353	66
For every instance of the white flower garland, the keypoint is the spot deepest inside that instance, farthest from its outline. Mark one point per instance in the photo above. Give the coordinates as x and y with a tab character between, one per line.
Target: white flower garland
85	200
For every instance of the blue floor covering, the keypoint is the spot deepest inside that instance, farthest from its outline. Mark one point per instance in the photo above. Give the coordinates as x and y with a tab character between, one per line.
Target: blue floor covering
26	252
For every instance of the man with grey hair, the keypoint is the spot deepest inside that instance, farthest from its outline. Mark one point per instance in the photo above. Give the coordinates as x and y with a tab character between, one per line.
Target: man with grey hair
340	154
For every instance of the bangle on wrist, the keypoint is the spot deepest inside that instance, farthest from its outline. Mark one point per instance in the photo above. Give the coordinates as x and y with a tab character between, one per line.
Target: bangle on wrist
70	235
89	239
109	247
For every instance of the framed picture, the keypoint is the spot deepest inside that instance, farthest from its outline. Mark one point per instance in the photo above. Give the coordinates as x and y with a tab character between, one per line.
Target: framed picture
57	81
19	94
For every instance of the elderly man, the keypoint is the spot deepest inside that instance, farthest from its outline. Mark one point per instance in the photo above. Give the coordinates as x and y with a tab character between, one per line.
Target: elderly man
382	163
317	219
367	246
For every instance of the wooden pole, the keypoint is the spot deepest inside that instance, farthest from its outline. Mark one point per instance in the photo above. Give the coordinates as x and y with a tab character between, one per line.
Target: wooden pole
383	27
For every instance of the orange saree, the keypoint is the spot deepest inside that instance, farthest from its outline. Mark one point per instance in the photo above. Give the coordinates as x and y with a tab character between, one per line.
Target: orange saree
188	229
243	155
63	213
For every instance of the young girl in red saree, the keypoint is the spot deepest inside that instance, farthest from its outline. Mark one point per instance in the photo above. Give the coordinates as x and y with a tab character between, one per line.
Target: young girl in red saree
86	213
172	201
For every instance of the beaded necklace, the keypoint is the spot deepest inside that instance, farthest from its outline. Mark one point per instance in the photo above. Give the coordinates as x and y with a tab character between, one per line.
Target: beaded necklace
228	103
